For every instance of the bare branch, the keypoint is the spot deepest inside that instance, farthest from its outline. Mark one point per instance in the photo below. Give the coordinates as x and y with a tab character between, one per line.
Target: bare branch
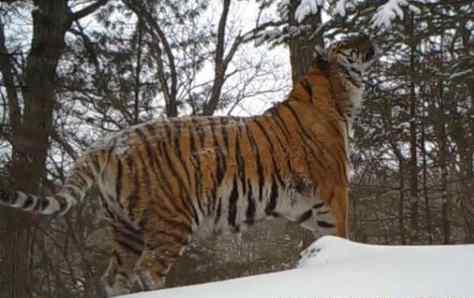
253	34
153	28
88	45
221	61
64	144
88	10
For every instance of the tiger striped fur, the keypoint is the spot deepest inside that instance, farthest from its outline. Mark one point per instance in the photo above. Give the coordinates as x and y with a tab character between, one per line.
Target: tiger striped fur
163	181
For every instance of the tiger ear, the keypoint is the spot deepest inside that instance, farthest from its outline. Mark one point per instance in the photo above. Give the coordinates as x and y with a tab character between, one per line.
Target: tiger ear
320	57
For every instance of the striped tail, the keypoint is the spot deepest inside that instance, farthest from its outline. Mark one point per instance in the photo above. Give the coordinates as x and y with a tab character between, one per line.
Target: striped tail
72	192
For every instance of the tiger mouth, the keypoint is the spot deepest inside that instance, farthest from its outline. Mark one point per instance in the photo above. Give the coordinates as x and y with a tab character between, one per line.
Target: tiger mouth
373	53
370	53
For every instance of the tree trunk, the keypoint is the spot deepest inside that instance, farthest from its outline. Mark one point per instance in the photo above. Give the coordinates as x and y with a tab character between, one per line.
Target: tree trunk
443	163
468	162
413	134
30	138
302	48
429	225
138	70
401	202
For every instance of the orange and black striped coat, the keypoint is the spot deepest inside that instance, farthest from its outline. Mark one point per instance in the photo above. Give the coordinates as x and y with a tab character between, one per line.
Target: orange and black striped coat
163	181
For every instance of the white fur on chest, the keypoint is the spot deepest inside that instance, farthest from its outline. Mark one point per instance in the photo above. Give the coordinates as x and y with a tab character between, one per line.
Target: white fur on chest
355	96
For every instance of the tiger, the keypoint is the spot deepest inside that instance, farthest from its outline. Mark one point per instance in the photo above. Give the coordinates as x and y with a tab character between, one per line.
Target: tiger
164	181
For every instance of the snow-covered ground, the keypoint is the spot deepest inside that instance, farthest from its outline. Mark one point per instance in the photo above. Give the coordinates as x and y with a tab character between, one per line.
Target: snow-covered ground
334	267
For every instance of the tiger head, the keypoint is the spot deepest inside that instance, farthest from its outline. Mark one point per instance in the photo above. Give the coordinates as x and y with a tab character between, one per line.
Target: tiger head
355	54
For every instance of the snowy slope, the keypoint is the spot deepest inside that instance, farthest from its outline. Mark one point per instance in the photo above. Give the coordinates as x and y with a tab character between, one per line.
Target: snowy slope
334	267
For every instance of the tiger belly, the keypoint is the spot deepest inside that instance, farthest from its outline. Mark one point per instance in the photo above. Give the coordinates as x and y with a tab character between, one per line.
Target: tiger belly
237	208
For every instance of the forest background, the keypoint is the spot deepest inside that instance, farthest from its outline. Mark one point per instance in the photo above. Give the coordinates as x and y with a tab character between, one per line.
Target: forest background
72	71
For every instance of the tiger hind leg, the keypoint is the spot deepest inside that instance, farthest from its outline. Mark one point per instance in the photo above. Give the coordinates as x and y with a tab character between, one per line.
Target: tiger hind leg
119	277
165	241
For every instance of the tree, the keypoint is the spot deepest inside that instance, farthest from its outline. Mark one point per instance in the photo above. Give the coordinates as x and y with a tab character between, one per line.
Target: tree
31	107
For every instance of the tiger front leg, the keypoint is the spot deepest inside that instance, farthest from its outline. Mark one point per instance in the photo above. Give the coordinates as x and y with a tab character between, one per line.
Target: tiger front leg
321	222
340	209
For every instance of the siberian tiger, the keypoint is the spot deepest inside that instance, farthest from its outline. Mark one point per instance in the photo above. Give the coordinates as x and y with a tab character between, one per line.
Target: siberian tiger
162	181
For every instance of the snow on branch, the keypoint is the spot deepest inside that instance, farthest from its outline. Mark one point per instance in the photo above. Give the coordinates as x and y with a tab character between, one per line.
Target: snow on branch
389	11
306	8
26	4
340	8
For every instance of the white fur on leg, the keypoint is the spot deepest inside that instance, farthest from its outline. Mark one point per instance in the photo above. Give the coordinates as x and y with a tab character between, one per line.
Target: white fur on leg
121	286
148	282
115	284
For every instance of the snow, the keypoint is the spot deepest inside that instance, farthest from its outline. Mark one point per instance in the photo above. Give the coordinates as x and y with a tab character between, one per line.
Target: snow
27	5
335	267
383	17
389	11
340	8
307	7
